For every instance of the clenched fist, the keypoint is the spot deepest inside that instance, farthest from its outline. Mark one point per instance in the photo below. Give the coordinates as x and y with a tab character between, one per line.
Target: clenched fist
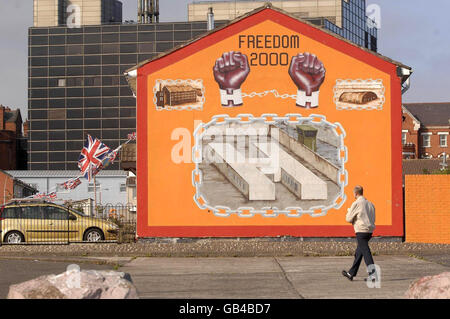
308	74
230	71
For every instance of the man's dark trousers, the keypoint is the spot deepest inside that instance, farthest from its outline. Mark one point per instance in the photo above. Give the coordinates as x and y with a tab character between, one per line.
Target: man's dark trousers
362	250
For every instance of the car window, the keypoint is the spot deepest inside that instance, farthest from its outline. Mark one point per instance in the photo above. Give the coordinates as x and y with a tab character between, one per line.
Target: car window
55	213
77	212
11	212
32	212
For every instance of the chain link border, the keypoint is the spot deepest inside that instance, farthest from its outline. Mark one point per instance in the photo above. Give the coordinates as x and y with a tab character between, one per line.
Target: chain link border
248	212
180	107
359	82
274	92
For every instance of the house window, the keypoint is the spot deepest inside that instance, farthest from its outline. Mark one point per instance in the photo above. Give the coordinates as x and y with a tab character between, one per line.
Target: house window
61	82
443	139
404	137
123	188
91	187
426	139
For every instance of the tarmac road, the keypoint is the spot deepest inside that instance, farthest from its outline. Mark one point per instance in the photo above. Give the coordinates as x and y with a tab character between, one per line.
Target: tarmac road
238	277
17	271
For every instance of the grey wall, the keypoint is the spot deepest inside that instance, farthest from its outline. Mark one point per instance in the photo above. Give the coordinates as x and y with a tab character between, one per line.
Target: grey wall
109	190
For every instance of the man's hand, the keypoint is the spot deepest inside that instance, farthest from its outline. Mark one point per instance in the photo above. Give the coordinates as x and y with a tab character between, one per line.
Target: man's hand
230	71
308	74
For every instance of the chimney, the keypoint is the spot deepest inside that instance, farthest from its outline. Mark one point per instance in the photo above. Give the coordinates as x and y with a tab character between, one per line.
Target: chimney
156	13
146	19
26	127
148	11
2	117
139	11
210	19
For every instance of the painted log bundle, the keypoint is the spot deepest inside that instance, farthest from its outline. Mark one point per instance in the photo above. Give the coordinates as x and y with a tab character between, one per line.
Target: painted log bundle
358	97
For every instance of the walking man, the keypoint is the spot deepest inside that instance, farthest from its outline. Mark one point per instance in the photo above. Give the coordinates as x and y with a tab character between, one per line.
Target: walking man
362	215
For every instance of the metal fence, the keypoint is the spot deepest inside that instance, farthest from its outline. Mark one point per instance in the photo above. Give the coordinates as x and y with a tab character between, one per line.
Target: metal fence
42	222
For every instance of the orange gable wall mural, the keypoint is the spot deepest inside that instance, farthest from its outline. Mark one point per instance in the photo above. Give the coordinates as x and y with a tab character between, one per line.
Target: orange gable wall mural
263	128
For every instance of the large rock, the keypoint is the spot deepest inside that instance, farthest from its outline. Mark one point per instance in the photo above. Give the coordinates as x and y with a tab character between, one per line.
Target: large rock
430	287
76	284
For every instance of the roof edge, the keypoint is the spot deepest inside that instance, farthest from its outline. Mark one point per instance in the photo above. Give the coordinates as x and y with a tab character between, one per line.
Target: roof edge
410	114
267	5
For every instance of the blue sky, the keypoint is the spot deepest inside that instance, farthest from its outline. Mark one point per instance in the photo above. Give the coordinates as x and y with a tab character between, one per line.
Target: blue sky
414	32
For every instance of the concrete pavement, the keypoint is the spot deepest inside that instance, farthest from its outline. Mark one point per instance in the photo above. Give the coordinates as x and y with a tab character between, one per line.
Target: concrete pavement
241	277
272	277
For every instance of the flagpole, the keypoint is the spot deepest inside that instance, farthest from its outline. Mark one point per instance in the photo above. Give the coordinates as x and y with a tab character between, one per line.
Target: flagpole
106	159
95	196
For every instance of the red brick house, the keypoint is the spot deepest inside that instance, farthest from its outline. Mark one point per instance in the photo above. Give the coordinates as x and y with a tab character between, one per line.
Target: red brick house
425	130
12	143
11	187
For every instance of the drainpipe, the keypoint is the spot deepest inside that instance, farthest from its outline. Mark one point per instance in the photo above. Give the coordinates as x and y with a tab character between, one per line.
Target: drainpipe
210	19
4	191
405	75
131	75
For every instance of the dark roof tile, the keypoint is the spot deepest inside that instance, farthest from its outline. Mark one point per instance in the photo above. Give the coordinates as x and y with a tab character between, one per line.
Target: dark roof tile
430	114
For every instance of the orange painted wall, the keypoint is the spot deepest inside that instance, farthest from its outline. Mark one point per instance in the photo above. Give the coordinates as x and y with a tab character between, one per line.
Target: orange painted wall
166	195
427	208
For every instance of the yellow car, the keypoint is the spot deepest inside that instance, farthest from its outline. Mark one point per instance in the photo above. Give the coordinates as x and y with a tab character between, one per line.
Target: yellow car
47	222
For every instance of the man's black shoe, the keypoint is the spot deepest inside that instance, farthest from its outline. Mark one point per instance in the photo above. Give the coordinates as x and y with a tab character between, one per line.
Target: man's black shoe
347	274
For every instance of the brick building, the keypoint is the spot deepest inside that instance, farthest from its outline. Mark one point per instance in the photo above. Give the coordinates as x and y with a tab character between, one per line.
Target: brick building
11	187
13	145
425	130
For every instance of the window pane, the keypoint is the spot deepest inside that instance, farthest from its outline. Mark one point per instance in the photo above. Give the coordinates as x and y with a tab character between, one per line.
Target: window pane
75	39
110	37
55	156
32	212
55	213
38	146
128	37
92	49
12	212
91	187
128	48
57	39
92	59
75	60
39	40
110	59
110	48
58	50
443	140
74	49
92	38
146	36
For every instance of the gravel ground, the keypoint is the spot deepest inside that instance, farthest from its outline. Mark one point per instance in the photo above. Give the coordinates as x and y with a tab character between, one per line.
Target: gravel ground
230	248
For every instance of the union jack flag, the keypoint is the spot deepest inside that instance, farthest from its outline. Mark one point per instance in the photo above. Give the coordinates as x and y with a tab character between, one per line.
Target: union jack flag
109	158
71	184
50	196
92	156
132	136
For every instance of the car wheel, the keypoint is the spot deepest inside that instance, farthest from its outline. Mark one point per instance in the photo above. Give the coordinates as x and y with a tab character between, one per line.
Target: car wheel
14	237
93	235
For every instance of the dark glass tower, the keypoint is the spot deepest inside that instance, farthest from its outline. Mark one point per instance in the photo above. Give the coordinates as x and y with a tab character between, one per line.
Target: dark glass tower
76	85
